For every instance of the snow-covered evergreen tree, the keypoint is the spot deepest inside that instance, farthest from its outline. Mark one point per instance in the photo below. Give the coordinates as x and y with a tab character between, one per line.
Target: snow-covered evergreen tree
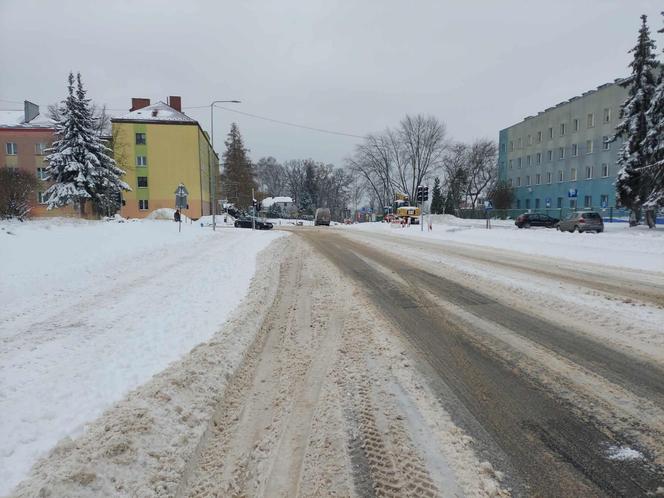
654	147
437	204
634	125
238	177
79	163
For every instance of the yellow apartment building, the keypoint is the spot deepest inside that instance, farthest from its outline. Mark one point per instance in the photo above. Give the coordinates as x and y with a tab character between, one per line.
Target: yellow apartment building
160	147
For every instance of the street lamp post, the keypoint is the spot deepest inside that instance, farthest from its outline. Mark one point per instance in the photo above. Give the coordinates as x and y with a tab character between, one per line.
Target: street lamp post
213	187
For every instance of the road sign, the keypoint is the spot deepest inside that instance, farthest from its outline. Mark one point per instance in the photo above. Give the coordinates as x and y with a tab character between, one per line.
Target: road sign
488	205
181	194
571	192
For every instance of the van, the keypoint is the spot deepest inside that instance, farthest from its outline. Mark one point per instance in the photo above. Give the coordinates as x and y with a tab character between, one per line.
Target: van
322	217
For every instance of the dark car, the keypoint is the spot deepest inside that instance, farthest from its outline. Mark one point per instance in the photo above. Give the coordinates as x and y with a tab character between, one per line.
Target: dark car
247	222
588	221
527	220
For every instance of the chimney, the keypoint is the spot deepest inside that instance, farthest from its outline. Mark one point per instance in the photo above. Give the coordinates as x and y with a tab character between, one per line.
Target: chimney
30	111
175	102
139	103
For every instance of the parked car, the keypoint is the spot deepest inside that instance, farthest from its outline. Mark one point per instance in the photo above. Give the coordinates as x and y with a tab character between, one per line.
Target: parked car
246	222
588	221
527	220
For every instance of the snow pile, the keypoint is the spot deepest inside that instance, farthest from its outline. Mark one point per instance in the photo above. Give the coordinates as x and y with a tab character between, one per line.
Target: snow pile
269	201
619	245
92	310
166	214
220	220
624	453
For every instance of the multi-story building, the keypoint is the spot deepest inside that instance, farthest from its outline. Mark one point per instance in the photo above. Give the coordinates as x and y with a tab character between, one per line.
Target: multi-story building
561	158
160	147
24	138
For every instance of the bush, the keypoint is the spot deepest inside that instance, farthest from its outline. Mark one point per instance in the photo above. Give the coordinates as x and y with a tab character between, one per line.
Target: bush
16	189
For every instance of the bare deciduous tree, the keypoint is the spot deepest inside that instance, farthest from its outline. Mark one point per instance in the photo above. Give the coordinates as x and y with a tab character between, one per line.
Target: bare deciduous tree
481	169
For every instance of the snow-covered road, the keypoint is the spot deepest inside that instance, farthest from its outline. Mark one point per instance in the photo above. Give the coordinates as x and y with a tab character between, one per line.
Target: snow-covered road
92	310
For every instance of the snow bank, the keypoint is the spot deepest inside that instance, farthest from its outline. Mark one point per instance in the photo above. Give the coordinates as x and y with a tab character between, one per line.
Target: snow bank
619	245
92	310
166	214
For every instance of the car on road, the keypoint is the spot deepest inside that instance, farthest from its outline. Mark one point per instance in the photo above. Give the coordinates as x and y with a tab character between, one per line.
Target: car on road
246	222
527	220
584	221
322	217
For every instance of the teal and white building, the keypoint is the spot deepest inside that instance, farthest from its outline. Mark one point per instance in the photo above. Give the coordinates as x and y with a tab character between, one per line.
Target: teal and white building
560	158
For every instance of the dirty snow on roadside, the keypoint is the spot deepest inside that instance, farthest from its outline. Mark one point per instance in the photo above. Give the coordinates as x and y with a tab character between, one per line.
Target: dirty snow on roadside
92	310
619	245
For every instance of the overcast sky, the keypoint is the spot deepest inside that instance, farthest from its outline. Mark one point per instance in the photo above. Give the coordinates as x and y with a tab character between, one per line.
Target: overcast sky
350	66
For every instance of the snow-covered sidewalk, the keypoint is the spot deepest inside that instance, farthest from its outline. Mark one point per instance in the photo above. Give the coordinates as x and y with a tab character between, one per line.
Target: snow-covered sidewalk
619	245
91	310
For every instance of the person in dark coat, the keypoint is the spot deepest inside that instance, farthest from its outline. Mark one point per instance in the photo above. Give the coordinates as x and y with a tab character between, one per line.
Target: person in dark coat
177	216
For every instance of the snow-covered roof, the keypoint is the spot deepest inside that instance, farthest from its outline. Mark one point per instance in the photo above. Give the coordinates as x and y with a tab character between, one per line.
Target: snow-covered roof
156	112
268	201
16	119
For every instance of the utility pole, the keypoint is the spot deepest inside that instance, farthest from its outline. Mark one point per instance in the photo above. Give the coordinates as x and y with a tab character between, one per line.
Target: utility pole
213	186
253	207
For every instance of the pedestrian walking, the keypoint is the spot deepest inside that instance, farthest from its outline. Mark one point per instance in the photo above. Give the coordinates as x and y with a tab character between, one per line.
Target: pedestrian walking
177	216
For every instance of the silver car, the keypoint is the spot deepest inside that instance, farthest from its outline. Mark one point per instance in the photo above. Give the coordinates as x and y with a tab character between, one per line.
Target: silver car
585	221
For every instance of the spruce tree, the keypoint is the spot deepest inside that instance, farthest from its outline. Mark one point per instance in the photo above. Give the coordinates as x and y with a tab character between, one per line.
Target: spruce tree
79	163
436	198
238	175
633	128
654	147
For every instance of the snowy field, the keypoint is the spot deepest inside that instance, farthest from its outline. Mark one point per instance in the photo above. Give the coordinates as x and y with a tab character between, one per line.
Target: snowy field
91	310
619	245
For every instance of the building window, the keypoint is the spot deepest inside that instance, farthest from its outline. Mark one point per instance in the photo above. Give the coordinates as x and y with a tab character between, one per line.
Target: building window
512	146
537	203
548	177
141	161
559	204
527	180
572	203
538	158
588	201
549	155
539	137
591	120
575	150
550	133
527	203
530	140
607	115
561	175
503	147
511	182
41	173
605	170
510	164
518	181
572	175
589	146
140	139
518	203
589	172
561	152
518	143
606	145
143	204
575	125
538	179
10	148
527	160
40	148
41	198
604	200
562	129
518	163
142	181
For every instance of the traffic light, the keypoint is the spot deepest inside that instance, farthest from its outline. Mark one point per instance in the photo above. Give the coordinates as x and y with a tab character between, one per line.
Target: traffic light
422	194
